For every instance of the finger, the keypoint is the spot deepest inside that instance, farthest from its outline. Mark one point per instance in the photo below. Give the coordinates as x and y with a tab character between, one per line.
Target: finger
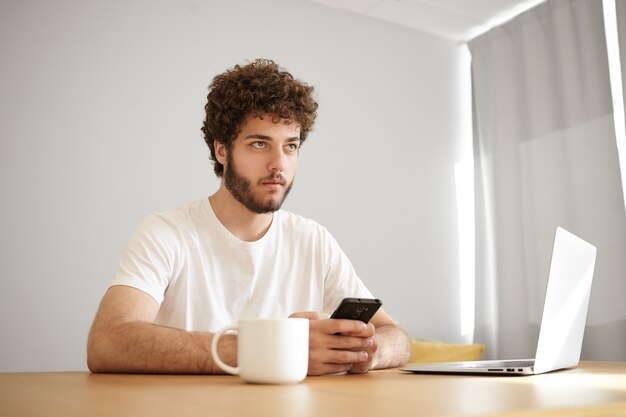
365	366
360	368
362	360
321	351
341	341
319	342
325	361
339	356
344	326
368	331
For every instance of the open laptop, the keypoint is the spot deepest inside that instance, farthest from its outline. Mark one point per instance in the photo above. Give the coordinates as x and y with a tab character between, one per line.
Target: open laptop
563	322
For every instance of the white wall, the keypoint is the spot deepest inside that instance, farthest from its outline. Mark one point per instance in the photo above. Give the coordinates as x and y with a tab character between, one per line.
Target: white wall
101	104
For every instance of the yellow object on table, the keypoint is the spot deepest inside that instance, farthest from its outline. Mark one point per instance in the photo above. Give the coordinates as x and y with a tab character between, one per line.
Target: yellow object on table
433	351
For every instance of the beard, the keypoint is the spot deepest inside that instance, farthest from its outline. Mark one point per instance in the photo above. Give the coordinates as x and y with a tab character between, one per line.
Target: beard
241	188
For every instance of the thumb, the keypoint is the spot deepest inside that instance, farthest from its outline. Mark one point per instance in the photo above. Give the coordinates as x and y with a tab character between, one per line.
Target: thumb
311	315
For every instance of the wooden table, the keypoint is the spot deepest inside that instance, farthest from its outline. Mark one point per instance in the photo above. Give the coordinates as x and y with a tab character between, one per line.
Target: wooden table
594	388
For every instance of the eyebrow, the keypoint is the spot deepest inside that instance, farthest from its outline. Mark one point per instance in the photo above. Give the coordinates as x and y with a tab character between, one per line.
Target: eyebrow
265	137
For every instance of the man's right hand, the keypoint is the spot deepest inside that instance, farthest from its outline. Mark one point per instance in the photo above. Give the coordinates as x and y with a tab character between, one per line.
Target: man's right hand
335	345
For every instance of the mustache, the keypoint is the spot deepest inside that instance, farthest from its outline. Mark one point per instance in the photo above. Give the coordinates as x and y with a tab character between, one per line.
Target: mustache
273	179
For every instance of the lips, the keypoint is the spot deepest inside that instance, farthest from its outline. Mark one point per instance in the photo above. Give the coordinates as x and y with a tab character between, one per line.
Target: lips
274	182
273	186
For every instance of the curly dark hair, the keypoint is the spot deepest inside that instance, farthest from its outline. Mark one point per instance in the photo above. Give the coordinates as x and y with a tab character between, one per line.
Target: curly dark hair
258	88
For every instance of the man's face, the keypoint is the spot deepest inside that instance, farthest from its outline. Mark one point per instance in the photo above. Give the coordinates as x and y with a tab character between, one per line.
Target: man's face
261	164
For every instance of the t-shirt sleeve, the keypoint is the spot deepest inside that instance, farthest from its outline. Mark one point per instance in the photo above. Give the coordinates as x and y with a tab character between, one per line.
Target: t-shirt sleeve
341	280
149	260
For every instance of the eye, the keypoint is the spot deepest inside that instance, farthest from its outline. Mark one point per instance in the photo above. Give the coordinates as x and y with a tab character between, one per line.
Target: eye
259	145
292	146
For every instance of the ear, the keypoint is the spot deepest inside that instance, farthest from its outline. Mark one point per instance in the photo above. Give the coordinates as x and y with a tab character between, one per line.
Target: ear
220	152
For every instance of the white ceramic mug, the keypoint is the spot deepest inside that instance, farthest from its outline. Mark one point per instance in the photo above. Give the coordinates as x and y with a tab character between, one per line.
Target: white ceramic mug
269	351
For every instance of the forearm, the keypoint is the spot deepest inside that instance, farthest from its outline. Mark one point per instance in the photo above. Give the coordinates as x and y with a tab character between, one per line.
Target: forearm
144	347
394	347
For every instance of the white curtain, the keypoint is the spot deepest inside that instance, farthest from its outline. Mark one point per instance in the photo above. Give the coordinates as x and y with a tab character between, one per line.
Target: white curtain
545	156
620	11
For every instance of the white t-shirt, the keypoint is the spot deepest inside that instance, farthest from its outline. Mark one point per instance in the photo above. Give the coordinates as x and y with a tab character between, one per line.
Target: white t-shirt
205	278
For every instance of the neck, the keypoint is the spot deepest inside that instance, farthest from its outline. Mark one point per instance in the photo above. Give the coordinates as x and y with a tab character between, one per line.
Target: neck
239	221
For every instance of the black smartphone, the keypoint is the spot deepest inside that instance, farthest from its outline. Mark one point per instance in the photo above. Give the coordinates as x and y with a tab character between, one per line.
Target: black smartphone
357	309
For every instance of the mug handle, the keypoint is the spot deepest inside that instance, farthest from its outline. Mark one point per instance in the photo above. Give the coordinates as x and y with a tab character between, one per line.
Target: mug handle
216	358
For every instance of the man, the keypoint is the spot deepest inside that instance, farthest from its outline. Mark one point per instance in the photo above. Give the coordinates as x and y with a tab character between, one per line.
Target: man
190	271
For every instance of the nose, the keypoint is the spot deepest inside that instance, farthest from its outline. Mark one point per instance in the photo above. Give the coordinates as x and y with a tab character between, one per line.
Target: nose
277	161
